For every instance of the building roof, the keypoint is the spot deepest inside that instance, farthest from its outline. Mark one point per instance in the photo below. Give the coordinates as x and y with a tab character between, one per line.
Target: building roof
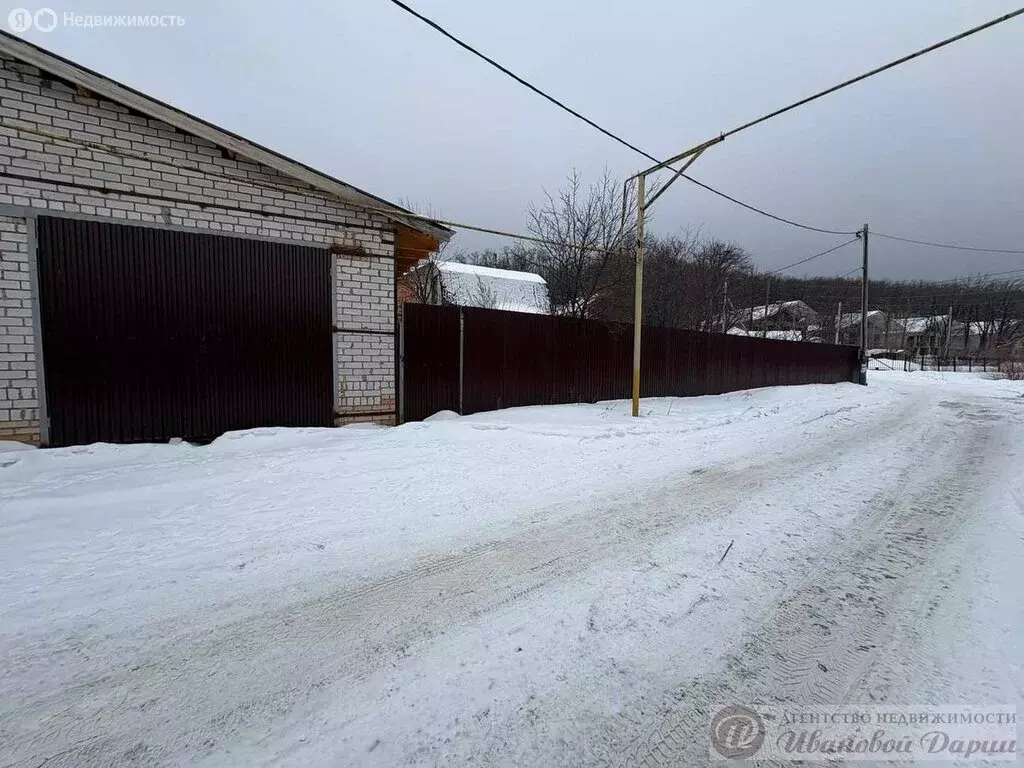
472	286
104	86
760	312
923	324
504	274
853	318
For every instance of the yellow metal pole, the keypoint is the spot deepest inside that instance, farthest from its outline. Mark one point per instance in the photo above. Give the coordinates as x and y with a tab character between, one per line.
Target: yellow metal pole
638	290
641	214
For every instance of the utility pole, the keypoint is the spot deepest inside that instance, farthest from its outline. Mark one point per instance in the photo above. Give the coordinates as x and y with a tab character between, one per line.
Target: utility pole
864	312
642	203
949	330
638	289
764	316
753	300
839	319
725	304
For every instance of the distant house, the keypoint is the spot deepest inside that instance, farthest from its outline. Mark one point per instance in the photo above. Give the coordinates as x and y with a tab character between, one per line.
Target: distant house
935	335
469	285
878	337
794	317
930	335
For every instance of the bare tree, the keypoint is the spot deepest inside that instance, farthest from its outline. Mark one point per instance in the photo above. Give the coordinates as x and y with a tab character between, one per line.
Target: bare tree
666	263
484	296
423	284
583	259
713	264
999	322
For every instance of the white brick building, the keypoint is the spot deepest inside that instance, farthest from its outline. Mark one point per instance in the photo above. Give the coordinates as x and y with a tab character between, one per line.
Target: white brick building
75	145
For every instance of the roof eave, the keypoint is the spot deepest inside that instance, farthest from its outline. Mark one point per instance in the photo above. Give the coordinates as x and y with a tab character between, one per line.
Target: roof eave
123	94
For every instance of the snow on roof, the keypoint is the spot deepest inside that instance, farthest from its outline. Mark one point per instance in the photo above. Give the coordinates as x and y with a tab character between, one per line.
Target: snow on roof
922	324
469	285
759	313
777	335
852	318
504	274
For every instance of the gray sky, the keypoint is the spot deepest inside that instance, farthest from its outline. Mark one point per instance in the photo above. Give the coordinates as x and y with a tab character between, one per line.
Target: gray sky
365	92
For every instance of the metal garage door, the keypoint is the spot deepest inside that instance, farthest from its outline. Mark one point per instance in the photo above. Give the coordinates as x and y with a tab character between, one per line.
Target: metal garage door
150	334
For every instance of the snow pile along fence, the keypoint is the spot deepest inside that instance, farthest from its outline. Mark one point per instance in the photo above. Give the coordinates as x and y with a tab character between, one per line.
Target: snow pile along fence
470	360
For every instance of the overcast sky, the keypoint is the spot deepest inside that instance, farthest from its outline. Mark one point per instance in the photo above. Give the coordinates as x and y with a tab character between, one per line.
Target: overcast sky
367	93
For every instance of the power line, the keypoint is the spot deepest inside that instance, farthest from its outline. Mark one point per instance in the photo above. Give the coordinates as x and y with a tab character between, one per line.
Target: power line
970	293
911	307
994	274
518	79
979	276
750	207
966	289
920	303
945	245
561	105
614	137
809	258
878	70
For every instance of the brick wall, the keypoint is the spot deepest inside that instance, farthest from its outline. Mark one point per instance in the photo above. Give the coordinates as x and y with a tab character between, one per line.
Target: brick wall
19	403
98	158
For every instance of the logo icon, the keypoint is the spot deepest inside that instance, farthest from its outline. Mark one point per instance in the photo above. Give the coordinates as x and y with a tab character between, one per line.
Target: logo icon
737	732
45	20
20	20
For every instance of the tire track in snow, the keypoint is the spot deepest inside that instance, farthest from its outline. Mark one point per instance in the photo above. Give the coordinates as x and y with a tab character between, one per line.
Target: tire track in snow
826	633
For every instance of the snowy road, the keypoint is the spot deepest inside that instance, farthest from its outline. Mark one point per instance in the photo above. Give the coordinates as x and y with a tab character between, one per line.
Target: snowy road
531	587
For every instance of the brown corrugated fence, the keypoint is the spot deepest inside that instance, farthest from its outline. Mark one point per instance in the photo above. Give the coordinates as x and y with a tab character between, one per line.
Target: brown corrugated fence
510	359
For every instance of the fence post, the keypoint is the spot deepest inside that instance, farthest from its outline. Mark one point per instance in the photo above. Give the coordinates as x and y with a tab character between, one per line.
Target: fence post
462	350
400	384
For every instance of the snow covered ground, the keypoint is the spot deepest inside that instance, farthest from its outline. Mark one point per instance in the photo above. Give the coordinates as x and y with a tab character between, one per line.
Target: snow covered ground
536	586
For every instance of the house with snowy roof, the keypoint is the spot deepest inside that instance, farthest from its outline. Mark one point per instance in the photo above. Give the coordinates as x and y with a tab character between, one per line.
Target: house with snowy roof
794	317
879	327
931	335
470	285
